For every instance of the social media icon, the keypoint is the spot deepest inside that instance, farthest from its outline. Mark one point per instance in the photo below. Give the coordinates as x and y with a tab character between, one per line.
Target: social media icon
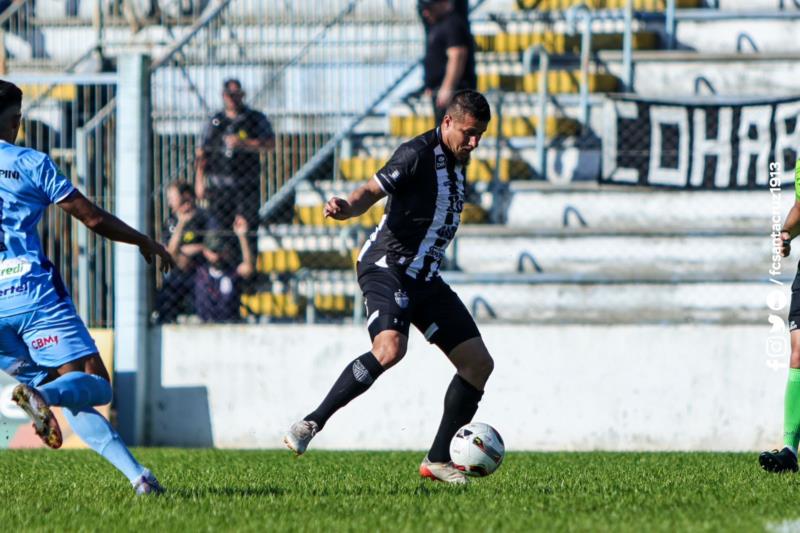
778	325
776	300
777	346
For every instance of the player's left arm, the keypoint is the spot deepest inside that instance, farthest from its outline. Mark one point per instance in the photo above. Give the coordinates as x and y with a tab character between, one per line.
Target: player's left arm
107	225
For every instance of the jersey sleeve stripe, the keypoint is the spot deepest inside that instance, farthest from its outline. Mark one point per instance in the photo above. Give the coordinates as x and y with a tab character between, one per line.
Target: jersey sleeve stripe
381	184
64	196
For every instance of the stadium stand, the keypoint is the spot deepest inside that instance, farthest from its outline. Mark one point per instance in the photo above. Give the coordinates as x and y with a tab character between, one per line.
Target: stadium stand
542	239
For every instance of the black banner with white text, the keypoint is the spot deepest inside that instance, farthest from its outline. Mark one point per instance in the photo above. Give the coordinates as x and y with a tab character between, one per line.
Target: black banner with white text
698	145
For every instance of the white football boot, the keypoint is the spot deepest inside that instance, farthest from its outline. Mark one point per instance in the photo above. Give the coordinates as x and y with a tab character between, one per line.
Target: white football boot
446	472
299	435
147	484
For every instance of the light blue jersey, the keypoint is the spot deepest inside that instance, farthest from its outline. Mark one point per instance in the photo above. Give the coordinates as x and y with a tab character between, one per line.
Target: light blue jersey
29	183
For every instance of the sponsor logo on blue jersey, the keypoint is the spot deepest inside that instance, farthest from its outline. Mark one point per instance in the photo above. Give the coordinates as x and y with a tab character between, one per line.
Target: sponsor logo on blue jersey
9	174
13	291
14	268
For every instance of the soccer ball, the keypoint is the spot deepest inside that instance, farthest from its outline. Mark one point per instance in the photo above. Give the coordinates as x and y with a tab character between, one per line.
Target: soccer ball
477	449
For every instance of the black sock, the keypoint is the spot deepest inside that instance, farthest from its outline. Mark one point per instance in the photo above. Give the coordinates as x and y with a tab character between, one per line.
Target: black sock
460	404
354	380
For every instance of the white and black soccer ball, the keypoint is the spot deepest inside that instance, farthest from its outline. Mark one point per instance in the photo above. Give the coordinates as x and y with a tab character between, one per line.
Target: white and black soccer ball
477	449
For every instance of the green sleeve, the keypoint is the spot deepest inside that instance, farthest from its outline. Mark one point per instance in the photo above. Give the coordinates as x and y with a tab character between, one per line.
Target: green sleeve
797	180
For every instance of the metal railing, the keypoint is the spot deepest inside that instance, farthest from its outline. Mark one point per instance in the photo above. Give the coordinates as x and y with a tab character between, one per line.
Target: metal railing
55	35
313	72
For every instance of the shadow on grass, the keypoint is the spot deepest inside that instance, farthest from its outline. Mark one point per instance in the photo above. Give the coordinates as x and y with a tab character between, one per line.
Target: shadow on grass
266	490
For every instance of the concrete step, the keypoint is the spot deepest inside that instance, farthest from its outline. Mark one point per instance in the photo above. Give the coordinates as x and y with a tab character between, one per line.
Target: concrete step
667	74
614	255
722	32
563	5
622	302
612	208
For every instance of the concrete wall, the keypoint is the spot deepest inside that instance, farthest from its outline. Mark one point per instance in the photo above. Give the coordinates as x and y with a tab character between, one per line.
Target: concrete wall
554	388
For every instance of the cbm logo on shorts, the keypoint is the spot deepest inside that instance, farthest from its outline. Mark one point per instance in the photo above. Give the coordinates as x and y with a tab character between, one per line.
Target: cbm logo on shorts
44	342
441	161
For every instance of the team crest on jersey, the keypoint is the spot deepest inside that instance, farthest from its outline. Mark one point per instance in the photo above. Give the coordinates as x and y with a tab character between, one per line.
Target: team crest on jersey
441	161
401	298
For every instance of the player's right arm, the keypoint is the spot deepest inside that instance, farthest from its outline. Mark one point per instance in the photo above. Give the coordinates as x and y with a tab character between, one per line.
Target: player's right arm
357	203
107	225
790	229
395	175
791	226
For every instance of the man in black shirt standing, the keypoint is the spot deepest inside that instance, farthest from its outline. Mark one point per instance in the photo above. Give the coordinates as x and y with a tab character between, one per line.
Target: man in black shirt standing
449	53
228	159
398	272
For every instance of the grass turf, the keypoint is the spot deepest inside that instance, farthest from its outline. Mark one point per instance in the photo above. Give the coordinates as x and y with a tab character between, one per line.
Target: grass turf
380	491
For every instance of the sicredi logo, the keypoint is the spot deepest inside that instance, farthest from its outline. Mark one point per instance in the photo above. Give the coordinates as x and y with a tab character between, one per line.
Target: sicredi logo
44	342
13	268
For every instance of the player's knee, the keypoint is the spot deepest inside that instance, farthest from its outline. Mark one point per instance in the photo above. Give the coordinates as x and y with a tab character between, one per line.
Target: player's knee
794	358
389	347
483	366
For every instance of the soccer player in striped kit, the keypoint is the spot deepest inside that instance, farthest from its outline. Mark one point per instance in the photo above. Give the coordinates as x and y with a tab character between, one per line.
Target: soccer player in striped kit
398	272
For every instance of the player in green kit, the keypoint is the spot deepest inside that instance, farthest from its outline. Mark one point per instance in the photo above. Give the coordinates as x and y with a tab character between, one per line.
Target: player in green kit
785	460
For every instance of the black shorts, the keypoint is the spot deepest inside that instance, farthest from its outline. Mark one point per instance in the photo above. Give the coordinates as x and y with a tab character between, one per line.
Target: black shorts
794	307
395	300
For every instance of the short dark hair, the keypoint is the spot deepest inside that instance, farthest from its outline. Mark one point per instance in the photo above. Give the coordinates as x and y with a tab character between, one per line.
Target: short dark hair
183	187
10	96
469	102
231	81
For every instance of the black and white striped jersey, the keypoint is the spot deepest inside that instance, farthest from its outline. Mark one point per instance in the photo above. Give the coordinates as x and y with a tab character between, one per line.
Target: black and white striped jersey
425	185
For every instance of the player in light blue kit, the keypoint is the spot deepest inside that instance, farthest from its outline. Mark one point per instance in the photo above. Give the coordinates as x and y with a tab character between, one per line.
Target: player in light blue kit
43	342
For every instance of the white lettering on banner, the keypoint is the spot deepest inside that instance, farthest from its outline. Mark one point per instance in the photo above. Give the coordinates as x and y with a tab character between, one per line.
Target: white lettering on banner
706	146
788	141
718	147
754	119
661	116
625	110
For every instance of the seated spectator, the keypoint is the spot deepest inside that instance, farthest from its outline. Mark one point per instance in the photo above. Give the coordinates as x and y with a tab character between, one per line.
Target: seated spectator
218	282
185	231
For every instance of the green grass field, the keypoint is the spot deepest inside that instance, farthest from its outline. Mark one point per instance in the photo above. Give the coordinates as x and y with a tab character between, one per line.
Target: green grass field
377	491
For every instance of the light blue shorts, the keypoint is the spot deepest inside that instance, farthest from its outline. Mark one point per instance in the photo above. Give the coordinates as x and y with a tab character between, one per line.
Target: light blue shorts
34	343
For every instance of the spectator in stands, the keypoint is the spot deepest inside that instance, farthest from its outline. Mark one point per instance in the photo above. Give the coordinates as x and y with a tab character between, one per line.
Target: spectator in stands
228	159
218	283
449	53
185	231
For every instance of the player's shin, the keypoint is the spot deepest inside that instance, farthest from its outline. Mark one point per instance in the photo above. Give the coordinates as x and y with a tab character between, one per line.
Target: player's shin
354	380
791	410
97	432
76	390
460	405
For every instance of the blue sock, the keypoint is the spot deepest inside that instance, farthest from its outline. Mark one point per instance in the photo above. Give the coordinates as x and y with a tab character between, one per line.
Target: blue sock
76	390
96	431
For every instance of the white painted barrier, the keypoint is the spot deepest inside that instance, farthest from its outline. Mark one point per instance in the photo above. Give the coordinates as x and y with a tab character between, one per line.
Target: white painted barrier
554	388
